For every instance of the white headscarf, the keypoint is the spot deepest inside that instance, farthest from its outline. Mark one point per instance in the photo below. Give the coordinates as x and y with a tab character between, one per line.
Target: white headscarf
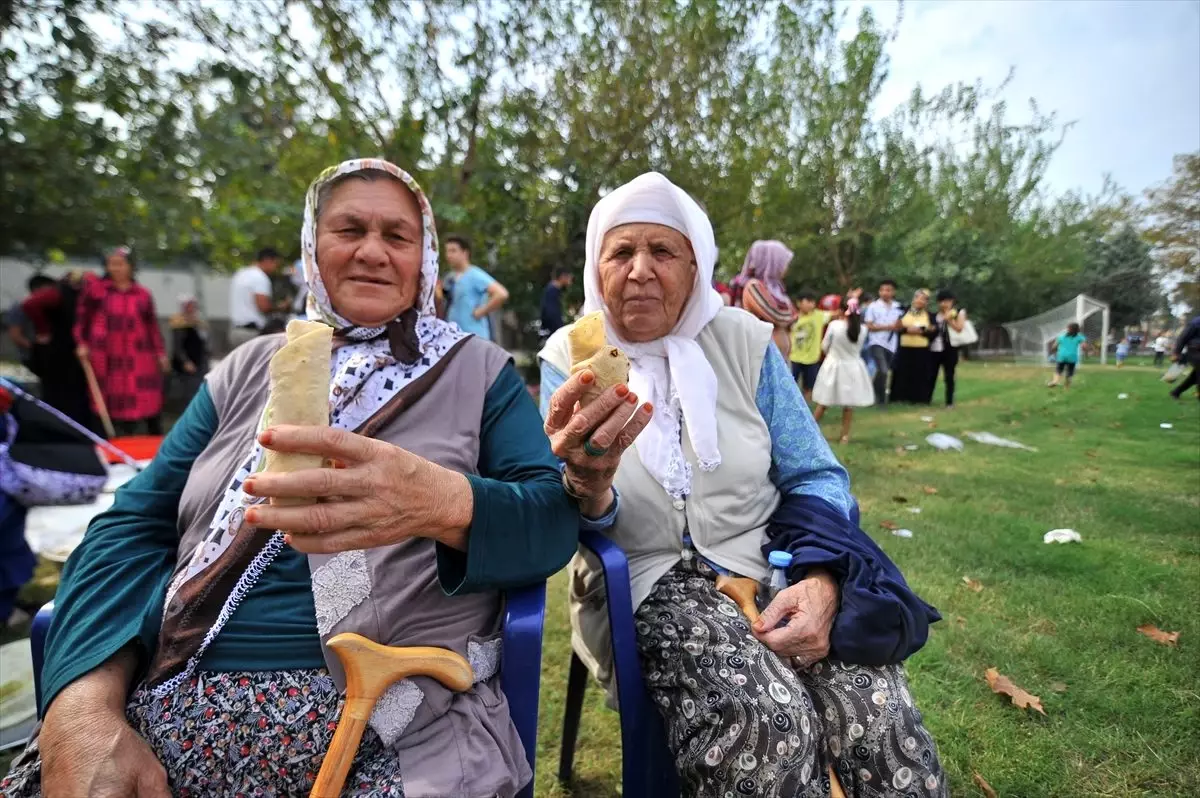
671	372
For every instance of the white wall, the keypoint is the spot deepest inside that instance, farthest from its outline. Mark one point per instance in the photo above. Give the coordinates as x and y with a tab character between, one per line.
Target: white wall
165	285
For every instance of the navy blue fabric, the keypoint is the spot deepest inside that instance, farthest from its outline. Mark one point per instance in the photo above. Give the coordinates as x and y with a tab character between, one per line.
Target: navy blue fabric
881	621
16	559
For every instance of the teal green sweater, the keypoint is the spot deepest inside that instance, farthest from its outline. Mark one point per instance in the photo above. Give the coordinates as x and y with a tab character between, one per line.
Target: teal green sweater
112	588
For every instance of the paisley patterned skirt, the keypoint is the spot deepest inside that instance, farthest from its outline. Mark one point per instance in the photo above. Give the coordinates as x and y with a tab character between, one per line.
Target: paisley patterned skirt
741	722
242	734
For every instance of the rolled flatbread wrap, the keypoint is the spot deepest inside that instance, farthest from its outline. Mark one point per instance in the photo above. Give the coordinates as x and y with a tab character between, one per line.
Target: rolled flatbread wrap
589	350
299	393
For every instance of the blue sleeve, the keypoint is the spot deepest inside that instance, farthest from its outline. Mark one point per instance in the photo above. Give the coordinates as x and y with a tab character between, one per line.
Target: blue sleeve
552	380
112	587
801	460
525	527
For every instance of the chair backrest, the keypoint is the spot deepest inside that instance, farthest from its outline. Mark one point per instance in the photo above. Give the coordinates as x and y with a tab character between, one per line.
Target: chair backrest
520	676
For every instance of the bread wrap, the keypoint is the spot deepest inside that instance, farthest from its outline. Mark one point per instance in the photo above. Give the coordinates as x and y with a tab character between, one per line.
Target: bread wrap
590	350
299	394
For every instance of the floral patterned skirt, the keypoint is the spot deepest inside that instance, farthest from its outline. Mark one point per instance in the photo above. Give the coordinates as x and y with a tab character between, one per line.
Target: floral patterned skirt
742	722
242	734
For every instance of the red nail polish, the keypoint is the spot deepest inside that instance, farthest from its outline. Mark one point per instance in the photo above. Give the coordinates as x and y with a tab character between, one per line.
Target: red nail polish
587	378
248	486
251	516
266	437
649	408
622	390
632	398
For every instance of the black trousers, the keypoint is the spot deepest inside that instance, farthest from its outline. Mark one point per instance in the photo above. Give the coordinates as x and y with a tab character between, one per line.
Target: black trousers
946	362
1190	380
883	364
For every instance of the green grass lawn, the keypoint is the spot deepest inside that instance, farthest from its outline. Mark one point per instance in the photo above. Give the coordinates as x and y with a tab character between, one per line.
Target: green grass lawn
1128	722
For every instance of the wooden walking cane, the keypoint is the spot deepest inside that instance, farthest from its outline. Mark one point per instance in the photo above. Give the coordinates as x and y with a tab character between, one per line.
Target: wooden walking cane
97	397
743	590
370	669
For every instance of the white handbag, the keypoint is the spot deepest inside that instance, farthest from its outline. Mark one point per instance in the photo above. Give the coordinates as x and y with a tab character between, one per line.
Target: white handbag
964	337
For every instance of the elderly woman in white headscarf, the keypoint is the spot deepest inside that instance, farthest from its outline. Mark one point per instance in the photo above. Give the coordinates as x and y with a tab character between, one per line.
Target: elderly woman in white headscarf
188	652
729	468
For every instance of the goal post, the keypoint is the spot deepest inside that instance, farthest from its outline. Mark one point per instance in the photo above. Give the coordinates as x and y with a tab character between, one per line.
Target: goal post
1031	337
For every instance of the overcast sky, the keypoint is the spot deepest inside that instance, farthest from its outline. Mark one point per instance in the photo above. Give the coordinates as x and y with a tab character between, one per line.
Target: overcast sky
1127	73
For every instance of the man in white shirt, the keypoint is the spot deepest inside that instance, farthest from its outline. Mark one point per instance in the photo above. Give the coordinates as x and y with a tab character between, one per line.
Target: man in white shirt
250	297
882	318
1161	345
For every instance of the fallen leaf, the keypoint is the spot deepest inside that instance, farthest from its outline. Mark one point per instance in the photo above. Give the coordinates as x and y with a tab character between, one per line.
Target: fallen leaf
1159	636
1092	453
889	525
1060	482
982	784
1002	685
1058	687
973	584
929	490
899	500
960	620
900	451
933	425
1116	425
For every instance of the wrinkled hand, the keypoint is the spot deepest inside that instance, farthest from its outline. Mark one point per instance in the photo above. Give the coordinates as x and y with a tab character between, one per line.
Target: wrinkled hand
611	422
809	608
98	755
382	495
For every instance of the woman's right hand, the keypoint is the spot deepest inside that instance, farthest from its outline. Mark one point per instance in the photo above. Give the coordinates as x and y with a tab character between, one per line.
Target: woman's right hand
609	424
98	755
88	747
81	352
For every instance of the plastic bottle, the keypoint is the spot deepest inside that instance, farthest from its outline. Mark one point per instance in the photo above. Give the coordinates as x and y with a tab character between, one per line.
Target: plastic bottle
777	579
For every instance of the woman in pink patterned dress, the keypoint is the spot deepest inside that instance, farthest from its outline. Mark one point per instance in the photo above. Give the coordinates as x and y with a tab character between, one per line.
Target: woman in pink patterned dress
116	330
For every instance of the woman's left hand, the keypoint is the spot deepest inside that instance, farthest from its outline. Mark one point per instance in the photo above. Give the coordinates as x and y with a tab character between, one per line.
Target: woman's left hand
382	495
809	608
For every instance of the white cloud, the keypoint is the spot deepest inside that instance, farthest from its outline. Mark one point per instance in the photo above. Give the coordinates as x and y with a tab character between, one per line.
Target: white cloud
1127	74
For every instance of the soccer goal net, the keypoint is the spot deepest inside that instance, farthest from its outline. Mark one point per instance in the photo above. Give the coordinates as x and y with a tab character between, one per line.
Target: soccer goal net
1031	337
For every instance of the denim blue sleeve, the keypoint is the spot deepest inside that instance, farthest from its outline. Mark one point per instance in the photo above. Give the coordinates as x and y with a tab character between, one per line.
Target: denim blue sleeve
552	380
801	460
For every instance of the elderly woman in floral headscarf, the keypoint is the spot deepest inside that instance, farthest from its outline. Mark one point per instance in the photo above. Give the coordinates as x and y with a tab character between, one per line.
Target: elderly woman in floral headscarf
730	469
759	289
188	651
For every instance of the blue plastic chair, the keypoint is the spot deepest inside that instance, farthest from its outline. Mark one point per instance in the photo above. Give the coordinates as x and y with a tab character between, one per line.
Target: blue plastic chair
647	766
520	676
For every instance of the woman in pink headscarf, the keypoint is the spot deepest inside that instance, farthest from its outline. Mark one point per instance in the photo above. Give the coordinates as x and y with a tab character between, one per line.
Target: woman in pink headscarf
760	289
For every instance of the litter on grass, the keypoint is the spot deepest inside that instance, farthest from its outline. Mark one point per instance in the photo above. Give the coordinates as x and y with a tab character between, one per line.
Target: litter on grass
995	440
927	419
1122	396
912	447
943	442
902	533
1062	536
915	510
1165	425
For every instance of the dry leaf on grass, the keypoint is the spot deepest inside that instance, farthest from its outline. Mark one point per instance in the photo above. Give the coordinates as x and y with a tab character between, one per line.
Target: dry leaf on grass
929	490
973	584
1159	636
982	784
1092	453
1058	687
900	451
889	525
1002	685
899	500
961	621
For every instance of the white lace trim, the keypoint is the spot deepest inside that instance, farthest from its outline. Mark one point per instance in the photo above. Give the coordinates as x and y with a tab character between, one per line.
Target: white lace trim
246	581
338	586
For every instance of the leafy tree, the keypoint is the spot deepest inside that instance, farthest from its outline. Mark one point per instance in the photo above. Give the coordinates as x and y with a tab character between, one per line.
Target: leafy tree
1174	227
1121	272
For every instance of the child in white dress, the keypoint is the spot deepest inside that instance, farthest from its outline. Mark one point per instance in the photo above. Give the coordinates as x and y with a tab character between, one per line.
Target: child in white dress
843	380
